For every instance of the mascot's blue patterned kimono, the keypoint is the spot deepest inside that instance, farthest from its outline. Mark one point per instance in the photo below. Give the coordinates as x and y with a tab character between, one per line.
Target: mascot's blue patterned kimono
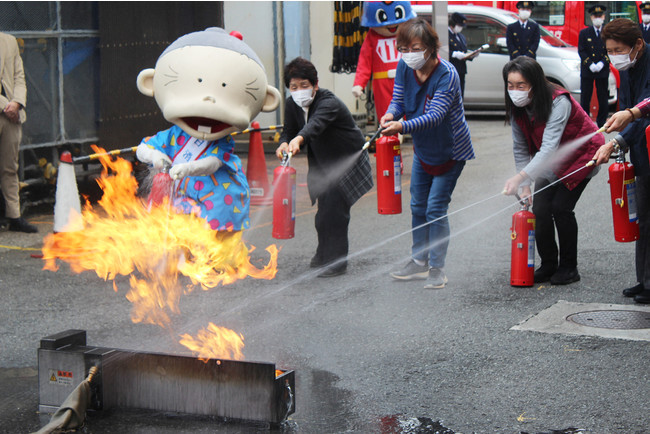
221	198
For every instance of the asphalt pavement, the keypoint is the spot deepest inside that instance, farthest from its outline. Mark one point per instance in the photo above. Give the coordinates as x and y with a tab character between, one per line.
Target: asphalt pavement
370	354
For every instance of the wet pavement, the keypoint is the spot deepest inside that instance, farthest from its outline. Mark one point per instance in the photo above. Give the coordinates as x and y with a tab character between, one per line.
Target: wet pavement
370	354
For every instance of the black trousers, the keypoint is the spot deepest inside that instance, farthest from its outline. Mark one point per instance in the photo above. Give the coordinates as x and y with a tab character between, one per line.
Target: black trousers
642	244
587	89
332	220
553	209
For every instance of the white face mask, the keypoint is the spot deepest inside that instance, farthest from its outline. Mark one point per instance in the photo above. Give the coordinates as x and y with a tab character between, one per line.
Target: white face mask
645	18
458	29
415	60
519	98
524	14
303	97
622	61
598	22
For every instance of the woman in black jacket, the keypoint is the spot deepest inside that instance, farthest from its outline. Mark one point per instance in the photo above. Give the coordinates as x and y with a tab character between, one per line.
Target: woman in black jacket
316	119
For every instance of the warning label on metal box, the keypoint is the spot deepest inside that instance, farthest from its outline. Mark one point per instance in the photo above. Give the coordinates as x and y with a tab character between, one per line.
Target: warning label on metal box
62	378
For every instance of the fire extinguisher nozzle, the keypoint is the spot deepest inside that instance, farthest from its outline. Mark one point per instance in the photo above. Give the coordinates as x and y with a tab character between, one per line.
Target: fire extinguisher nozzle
601	130
365	146
591	163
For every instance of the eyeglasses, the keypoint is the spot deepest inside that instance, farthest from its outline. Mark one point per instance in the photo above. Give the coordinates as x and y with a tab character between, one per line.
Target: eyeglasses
410	50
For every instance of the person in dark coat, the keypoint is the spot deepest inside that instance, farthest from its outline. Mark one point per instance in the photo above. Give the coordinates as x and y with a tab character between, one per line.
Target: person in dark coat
458	47
594	64
645	21
630	55
522	37
339	170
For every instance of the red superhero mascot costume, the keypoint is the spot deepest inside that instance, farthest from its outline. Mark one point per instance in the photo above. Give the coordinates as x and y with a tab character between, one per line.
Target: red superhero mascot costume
379	56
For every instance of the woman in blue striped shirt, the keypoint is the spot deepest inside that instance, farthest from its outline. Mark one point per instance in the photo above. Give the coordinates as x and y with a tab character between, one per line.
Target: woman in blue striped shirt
427	104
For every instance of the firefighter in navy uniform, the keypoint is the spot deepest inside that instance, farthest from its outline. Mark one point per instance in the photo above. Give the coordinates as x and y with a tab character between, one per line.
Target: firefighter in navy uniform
594	65
458	47
645	24
522	36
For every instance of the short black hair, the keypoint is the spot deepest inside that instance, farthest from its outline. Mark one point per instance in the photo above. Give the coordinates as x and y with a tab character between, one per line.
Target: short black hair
300	68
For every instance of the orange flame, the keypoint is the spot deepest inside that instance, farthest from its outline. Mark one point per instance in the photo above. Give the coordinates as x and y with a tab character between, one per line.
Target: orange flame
215	342
122	237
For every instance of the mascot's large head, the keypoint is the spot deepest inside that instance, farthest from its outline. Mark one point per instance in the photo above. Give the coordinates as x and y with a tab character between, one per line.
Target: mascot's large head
385	17
210	84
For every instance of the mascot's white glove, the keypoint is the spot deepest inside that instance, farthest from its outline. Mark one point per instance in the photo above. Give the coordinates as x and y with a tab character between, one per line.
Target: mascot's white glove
593	68
203	167
148	155
357	91
600	65
458	55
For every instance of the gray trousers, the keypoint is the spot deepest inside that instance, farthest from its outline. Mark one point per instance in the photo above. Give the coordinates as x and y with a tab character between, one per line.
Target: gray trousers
10	136
643	243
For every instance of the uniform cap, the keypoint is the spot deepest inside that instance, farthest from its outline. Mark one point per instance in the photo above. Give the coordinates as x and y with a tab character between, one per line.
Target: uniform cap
458	18
525	5
597	9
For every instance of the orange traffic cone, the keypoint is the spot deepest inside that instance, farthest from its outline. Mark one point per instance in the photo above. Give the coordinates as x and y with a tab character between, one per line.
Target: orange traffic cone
258	179
67	206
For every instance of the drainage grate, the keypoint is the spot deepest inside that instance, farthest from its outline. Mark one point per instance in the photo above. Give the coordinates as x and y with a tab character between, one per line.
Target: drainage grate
612	319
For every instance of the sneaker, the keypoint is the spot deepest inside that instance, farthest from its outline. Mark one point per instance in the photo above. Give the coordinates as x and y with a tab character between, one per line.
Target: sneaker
21	225
631	292
436	280
412	271
564	276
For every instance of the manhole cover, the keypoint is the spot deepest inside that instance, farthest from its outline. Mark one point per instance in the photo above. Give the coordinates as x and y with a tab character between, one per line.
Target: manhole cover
612	319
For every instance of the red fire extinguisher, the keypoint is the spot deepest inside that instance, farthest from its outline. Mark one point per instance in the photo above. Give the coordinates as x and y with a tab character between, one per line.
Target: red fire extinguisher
623	196
522	258
284	200
389	175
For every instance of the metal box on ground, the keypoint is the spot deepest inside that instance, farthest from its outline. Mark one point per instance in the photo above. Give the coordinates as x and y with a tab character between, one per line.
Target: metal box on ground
230	389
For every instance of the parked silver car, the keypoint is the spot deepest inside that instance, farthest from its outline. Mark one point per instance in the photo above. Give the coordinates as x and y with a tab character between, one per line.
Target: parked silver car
484	82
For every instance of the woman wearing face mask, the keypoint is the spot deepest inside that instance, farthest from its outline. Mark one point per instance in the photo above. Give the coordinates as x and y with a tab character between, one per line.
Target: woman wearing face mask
427	94
544	117
339	173
629	54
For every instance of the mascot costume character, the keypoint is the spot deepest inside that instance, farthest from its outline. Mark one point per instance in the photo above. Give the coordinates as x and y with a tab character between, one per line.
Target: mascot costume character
209	84
379	56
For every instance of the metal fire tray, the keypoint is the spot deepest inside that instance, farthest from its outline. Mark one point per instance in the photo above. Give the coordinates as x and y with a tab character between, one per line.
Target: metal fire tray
131	379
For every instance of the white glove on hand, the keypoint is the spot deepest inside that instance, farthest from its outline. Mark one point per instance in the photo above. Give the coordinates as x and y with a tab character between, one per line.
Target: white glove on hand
458	55
600	65
593	68
357	91
152	156
203	167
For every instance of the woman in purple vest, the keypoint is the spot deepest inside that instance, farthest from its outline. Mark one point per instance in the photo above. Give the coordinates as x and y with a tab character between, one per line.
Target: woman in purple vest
545	118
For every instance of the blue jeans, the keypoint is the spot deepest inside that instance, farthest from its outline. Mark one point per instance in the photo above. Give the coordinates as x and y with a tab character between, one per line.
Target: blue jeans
430	197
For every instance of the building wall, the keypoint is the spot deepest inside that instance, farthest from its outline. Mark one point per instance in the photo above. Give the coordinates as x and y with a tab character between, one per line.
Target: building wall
256	22
260	24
